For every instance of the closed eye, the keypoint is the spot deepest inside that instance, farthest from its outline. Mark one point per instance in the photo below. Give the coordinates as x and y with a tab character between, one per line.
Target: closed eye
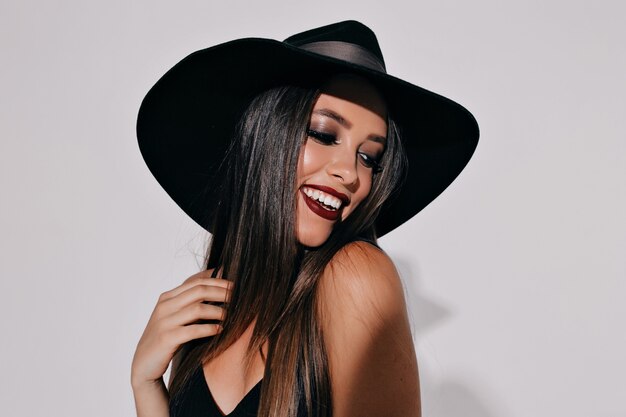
323	138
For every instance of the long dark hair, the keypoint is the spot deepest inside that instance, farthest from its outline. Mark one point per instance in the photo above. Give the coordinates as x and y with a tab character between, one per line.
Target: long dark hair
254	244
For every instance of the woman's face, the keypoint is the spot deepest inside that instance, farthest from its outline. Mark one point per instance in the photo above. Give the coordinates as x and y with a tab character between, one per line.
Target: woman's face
346	139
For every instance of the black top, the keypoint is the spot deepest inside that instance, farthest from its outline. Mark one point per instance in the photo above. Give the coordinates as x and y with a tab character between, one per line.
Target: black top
197	400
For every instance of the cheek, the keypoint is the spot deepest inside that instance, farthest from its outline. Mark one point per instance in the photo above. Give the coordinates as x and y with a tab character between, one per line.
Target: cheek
361	194
312	159
366	180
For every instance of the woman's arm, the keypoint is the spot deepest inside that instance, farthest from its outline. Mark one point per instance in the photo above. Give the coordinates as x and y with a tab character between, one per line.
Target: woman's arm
176	319
372	361
151	399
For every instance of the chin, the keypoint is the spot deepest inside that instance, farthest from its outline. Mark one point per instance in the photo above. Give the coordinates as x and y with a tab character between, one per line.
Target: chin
312	239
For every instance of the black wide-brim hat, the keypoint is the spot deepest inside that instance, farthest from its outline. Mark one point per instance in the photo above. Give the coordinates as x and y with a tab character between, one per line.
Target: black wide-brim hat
186	121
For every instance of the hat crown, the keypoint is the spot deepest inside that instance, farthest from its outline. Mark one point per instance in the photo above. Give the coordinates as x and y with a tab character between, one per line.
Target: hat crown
186	121
349	31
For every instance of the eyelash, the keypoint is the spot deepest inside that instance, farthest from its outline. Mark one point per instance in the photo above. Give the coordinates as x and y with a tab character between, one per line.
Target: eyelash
330	139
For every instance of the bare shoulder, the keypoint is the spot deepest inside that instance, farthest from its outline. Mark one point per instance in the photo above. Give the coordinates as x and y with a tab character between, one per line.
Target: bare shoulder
361	279
367	336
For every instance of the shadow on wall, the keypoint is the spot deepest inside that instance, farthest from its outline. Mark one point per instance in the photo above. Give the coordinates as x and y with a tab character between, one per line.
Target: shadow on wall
446	396
424	312
455	399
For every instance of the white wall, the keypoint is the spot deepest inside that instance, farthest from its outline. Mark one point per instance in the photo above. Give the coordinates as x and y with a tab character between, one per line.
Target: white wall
515	275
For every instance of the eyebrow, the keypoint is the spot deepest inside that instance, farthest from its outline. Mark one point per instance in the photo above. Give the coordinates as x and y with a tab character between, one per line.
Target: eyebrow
339	119
334	116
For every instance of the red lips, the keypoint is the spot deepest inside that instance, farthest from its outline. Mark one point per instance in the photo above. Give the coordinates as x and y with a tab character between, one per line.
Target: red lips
318	209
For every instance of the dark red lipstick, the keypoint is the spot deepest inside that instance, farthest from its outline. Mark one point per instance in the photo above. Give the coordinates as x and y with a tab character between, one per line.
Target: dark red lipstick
328	190
317	208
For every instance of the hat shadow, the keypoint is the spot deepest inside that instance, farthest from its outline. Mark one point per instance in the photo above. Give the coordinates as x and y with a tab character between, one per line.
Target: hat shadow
454	396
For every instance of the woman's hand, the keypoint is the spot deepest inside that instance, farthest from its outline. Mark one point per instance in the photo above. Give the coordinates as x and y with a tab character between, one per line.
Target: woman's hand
176	320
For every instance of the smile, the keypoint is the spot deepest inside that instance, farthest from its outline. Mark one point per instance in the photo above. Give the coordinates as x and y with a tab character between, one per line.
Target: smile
324	201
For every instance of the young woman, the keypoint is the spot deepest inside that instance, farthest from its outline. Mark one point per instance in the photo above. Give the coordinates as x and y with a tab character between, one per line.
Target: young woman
290	154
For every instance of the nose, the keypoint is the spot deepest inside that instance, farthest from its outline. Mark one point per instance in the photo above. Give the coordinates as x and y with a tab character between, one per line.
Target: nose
343	168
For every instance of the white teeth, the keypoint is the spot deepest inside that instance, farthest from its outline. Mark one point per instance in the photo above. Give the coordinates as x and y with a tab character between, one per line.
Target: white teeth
322	197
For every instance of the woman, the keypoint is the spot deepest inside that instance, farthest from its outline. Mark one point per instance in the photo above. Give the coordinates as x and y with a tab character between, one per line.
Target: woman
289	153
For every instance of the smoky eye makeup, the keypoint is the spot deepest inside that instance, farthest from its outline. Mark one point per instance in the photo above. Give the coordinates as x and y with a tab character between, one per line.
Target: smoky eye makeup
321	132
371	161
322	137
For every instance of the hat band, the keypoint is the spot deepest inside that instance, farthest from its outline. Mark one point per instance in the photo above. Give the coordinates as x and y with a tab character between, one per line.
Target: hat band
346	51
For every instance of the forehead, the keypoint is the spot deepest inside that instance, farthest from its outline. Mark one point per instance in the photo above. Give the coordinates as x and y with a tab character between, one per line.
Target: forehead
356	90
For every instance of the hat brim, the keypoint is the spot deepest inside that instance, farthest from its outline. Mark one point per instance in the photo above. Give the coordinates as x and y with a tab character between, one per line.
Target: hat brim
186	122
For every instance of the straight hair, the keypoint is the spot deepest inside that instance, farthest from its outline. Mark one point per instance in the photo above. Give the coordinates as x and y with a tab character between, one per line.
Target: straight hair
254	244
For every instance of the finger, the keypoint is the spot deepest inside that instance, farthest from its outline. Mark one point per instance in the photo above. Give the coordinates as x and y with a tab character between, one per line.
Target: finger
195	331
206	275
200	278
198	311
195	294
